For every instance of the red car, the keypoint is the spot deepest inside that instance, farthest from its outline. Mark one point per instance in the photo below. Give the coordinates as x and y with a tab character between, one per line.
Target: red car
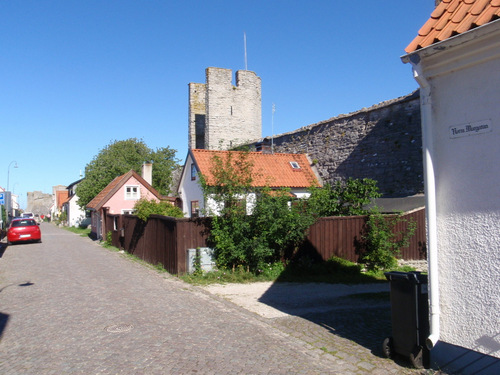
23	229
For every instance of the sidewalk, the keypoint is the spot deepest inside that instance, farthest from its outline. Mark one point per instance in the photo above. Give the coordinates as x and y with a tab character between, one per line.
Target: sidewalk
347	322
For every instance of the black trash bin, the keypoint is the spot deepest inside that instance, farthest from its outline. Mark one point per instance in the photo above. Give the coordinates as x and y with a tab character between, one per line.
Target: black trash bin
409	317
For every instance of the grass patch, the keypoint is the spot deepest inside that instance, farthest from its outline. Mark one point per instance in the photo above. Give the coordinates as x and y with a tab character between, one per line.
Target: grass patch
270	273
333	271
83	232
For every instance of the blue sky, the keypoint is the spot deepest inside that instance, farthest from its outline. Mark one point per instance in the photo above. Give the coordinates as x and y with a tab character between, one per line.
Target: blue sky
77	75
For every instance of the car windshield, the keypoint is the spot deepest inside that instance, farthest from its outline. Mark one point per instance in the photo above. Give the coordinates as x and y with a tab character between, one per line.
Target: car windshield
23	223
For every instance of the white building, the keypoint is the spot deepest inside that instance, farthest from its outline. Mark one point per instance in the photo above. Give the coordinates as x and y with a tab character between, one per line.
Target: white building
293	171
75	215
456	61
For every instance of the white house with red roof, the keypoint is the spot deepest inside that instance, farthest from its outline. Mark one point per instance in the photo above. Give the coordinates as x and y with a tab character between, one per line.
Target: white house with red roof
293	171
456	61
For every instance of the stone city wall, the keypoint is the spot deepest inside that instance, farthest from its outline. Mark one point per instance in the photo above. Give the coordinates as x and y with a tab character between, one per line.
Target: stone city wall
383	142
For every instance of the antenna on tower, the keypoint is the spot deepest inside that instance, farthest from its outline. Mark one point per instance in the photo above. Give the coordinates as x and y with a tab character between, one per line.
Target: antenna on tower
245	46
272	129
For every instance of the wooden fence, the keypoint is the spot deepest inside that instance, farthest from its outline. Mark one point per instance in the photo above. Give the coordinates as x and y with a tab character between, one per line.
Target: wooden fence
341	237
165	240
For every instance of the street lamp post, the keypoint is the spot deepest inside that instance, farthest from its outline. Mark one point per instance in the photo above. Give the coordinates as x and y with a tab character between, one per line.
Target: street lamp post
8	205
8	172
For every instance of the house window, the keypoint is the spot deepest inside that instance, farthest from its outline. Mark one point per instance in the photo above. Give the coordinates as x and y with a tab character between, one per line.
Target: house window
128	212
193	172
295	165
131	192
238	204
195	209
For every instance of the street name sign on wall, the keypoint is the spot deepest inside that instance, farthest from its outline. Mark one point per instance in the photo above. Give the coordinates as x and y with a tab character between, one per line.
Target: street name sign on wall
472	128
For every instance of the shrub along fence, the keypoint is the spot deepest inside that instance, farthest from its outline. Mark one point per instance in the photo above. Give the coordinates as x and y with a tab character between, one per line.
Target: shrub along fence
165	240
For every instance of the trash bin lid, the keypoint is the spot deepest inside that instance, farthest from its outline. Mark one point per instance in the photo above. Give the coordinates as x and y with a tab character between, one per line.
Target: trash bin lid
413	276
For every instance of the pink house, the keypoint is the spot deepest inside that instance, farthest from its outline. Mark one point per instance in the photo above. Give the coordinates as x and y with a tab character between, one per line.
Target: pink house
120	196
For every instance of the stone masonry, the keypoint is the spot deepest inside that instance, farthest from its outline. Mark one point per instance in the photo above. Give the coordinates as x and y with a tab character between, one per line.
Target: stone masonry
383	142
218	110
39	203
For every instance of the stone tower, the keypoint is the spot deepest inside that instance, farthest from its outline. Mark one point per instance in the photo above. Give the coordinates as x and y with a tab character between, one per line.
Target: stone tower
222	115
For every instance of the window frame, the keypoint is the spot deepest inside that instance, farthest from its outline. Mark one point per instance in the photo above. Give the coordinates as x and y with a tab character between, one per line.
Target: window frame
132	196
194	172
195	208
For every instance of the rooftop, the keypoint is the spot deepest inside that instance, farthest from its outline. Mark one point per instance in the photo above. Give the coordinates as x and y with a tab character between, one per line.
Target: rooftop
454	17
273	170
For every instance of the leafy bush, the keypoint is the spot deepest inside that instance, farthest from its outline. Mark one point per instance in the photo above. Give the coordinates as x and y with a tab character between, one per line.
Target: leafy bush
381	243
278	223
145	208
343	198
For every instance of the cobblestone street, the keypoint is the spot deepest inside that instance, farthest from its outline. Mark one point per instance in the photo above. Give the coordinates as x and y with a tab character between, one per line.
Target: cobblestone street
69	306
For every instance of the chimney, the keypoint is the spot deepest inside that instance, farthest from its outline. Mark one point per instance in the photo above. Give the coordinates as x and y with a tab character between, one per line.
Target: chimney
264	147
147	173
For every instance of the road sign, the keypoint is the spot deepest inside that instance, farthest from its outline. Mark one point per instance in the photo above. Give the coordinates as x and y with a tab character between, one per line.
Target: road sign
2	200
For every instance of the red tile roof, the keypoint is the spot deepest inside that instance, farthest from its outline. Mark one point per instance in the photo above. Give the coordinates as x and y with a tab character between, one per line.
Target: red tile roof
108	192
453	17
273	170
61	197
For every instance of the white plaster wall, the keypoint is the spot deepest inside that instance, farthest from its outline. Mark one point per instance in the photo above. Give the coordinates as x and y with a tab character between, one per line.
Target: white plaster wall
76	214
190	190
467	171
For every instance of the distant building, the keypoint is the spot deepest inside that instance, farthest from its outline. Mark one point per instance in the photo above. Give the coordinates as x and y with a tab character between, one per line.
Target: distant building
39	203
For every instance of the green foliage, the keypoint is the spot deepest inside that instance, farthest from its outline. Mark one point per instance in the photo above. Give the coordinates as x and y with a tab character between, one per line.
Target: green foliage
63	217
164	163
334	271
118	158
109	238
343	198
279	222
145	208
232	180
83	232
381	243
270	272
198	270
250	241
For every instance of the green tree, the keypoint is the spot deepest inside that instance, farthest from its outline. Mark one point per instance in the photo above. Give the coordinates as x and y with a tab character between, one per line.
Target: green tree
252	240
343	198
381	242
145	208
118	158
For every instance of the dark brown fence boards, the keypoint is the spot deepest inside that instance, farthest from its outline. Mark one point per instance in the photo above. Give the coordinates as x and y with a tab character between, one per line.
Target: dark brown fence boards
338	236
165	240
162	240
335	236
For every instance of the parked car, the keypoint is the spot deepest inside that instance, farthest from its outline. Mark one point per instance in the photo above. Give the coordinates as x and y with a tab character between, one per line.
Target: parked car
24	230
27	215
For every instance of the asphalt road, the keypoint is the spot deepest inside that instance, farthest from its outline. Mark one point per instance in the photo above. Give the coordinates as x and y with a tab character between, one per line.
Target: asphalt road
69	306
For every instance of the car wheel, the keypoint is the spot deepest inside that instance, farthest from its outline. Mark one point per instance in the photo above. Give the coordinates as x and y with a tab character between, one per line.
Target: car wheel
387	347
